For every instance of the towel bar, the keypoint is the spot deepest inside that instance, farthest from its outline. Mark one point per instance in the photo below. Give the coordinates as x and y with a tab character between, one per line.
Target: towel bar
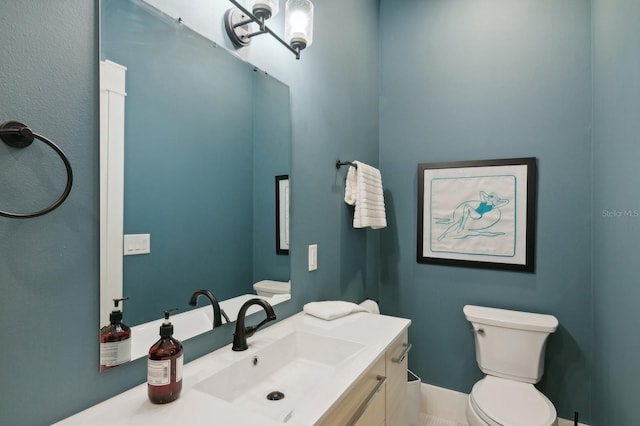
345	163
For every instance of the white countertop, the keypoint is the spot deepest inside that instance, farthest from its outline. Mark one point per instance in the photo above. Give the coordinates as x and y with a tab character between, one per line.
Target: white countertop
194	407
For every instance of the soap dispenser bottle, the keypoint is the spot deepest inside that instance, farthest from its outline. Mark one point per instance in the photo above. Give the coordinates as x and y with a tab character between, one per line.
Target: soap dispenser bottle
115	340
164	367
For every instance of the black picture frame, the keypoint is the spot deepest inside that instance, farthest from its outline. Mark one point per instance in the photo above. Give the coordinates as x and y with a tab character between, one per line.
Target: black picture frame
282	214
478	213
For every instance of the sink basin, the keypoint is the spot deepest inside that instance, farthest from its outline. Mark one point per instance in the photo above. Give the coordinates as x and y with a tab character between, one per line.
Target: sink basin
287	370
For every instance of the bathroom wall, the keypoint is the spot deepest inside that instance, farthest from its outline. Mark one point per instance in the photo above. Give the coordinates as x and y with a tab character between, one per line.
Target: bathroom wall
616	210
49	266
467	80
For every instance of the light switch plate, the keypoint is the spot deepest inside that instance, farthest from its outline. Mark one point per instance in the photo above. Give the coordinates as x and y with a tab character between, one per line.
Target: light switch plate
313	257
137	244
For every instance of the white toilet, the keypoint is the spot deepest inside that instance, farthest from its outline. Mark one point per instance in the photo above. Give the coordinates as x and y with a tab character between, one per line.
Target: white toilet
268	288
510	349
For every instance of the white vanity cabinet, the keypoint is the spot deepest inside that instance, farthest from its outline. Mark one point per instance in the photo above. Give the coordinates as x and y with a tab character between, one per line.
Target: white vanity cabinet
379	397
396	361
364	403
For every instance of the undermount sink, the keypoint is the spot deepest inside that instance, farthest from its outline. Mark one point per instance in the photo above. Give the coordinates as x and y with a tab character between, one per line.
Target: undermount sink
278	377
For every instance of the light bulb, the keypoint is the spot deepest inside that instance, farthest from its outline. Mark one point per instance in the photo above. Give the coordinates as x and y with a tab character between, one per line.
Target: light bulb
263	8
299	23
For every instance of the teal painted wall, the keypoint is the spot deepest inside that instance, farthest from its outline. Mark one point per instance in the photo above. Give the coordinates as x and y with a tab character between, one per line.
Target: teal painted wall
616	210
485	80
49	266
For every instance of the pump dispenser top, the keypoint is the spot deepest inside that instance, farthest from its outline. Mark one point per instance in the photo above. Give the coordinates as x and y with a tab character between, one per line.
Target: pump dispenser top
166	329
116	315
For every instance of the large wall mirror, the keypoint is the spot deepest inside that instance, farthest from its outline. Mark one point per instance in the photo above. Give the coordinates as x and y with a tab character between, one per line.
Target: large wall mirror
205	136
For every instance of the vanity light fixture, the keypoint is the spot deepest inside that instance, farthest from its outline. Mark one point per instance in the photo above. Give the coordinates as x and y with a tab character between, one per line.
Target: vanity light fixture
263	9
298	23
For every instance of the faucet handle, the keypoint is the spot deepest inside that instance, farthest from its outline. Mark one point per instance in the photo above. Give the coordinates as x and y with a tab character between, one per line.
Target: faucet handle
248	331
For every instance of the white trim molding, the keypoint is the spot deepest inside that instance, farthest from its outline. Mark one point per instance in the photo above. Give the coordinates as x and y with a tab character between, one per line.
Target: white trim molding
112	98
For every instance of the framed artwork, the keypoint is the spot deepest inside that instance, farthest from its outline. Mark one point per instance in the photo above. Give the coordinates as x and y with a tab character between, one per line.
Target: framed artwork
478	213
282	214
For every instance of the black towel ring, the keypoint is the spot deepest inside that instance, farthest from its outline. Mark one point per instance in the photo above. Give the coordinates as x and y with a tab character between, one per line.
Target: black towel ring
18	135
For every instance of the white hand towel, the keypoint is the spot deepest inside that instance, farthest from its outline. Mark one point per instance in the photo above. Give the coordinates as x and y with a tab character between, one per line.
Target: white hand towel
331	309
371	306
364	190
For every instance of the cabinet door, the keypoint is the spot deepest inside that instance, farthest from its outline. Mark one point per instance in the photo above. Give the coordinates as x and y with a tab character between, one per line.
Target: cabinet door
365	398
396	367
374	412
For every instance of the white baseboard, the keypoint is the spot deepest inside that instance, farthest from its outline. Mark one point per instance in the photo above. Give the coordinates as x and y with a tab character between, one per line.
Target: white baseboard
444	403
451	405
565	422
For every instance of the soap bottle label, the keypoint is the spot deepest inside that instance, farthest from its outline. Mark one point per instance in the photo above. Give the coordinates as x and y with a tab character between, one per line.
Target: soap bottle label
159	372
179	362
115	353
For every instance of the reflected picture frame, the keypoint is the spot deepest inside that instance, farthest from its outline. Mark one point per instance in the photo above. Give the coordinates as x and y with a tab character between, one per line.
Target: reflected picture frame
282	214
478	213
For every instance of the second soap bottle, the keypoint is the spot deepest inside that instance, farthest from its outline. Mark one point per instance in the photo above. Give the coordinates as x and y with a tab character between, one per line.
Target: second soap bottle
164	367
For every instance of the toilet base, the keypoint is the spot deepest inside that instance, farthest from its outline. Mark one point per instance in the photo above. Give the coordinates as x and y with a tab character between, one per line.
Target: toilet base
472	417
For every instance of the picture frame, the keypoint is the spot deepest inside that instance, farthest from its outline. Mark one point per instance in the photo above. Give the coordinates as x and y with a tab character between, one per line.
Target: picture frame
478	213
282	214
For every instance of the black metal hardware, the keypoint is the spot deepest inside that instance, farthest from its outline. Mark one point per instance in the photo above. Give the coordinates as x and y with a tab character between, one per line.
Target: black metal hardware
242	332
19	135
345	163
294	48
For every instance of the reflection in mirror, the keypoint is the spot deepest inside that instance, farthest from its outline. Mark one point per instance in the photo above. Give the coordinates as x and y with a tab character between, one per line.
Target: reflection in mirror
282	214
204	136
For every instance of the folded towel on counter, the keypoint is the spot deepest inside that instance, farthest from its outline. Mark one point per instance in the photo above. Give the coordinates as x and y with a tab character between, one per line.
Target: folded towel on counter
332	309
363	190
371	306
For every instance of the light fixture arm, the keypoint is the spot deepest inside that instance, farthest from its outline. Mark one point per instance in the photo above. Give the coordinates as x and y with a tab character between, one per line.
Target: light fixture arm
263	29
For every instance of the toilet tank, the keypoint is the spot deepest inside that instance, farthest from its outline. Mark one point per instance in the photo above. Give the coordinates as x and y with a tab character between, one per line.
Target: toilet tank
510	344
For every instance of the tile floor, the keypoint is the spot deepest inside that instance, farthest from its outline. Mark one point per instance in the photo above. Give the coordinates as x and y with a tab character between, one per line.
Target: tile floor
428	420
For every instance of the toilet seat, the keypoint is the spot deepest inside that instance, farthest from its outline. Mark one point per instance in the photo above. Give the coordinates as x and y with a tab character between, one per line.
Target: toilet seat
503	402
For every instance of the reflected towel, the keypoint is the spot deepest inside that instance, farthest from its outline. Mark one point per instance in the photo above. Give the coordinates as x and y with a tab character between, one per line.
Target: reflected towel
364	190
332	309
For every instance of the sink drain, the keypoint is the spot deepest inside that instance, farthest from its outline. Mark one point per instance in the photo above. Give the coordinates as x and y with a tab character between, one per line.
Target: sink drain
275	396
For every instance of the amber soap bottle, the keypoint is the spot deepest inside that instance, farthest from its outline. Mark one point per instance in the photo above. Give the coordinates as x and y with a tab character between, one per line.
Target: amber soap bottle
115	340
164	366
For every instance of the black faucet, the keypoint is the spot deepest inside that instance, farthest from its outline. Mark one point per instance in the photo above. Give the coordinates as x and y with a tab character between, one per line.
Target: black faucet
217	312
242	332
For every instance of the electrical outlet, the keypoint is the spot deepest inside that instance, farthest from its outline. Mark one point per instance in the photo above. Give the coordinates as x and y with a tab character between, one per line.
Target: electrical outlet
313	257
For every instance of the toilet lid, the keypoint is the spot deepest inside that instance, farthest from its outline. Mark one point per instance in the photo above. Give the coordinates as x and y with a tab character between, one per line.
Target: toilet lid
273	286
507	402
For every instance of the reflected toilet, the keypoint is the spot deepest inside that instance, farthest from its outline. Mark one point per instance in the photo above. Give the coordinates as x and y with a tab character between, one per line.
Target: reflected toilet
269	288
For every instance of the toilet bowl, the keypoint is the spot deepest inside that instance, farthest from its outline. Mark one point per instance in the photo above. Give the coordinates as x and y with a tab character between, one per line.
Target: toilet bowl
498	402
268	288
510	348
